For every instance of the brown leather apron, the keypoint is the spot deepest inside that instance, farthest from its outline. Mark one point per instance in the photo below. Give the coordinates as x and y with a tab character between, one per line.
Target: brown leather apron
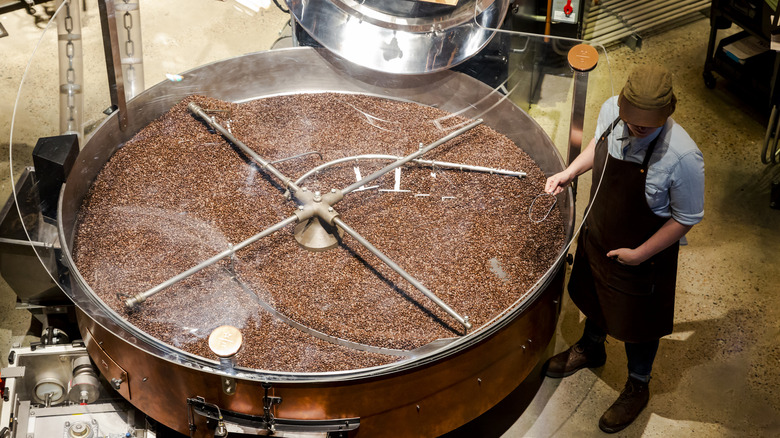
631	303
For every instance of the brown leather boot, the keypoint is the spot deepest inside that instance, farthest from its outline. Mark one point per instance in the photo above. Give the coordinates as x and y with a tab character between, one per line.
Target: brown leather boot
628	406
577	357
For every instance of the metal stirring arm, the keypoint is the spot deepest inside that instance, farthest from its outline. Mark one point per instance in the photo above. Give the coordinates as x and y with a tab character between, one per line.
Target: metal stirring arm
464	320
143	296
292	185
319	206
439	164
312	205
411	157
265	165
134	300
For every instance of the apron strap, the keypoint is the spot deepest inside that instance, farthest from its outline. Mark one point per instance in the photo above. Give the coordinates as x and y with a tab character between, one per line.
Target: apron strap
609	129
650	149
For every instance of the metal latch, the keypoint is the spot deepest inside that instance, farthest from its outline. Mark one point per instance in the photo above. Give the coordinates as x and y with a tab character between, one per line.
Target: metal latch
223	421
268	404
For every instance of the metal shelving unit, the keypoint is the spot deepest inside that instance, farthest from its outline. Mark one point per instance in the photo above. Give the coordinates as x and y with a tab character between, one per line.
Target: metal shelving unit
757	75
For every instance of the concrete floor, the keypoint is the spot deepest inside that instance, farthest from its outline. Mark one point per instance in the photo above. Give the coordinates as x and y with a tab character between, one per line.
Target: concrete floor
718	374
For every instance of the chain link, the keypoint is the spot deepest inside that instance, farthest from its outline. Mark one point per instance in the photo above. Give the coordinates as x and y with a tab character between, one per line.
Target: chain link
129	44
70	75
128	23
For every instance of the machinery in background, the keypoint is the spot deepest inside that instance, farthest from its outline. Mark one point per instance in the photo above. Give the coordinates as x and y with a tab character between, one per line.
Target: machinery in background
563	18
29	247
55	391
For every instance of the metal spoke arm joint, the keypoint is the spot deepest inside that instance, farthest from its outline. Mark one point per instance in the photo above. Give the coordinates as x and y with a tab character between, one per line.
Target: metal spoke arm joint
314	204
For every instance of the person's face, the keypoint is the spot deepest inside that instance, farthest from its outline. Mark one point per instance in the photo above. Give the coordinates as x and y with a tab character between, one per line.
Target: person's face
640	131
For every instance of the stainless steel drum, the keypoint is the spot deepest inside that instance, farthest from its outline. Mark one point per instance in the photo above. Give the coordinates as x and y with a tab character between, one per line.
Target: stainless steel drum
402	37
429	394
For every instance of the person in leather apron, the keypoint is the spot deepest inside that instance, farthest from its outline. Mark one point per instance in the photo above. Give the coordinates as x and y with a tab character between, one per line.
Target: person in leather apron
647	193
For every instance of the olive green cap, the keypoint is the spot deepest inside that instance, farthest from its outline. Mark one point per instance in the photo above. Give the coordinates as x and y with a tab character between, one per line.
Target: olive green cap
647	99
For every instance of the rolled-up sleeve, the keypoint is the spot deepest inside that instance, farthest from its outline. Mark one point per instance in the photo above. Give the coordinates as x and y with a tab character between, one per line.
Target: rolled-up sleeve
686	193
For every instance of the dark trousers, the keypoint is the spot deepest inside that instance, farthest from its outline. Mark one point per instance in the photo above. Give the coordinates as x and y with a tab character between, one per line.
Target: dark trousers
640	355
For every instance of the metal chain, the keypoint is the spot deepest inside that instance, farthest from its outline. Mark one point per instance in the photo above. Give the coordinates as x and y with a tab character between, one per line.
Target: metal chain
70	75
129	44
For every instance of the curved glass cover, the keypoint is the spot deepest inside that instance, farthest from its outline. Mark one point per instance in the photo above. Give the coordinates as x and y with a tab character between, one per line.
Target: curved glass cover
345	221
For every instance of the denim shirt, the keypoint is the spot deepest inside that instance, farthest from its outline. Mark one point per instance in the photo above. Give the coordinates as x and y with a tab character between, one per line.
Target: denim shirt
675	176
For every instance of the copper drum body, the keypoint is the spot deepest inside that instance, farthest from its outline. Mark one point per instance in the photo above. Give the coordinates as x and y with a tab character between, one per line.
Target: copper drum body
424	396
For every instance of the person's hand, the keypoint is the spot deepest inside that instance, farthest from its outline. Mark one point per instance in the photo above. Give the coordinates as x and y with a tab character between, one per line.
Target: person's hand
626	256
556	183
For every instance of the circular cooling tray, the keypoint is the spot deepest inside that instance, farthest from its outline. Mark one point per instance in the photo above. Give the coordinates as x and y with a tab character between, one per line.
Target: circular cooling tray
306	70
488	361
